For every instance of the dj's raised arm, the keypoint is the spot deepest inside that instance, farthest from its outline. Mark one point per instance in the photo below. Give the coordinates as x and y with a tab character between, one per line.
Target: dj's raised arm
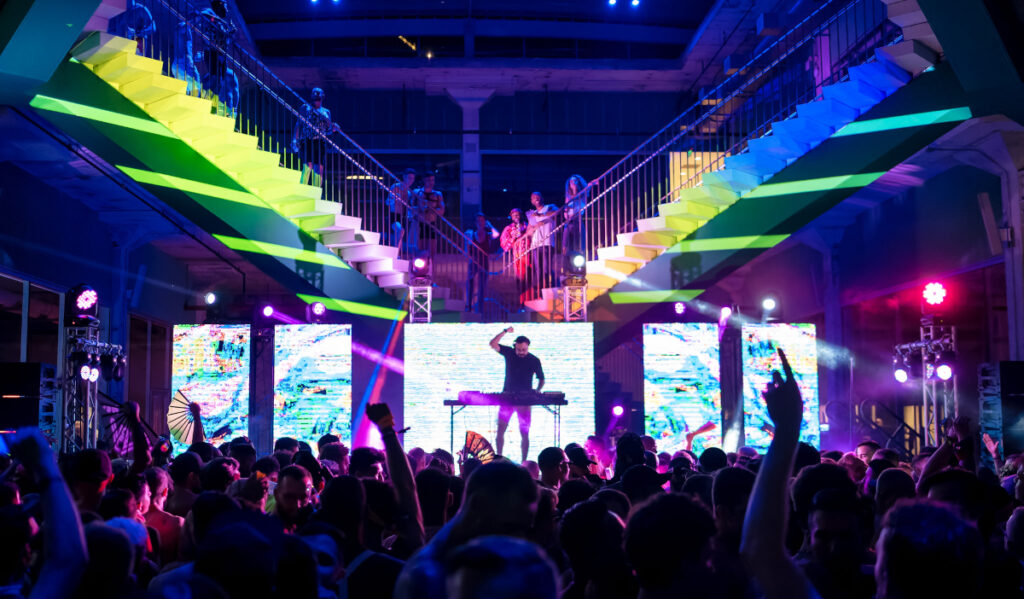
494	342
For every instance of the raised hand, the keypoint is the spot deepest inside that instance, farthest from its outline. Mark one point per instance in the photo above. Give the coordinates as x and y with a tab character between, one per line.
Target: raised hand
508	330
783	400
131	410
195	409
991	445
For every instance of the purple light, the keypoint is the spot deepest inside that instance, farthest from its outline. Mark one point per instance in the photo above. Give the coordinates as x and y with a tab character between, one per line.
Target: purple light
934	293
680	308
617	411
419	263
85	372
94	375
944	372
268	310
319	309
724	316
86	299
901	375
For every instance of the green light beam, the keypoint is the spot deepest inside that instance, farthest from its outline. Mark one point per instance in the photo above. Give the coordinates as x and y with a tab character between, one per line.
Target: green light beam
41	102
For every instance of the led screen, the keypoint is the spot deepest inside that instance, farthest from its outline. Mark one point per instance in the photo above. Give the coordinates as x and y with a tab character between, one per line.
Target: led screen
443	359
313	381
682	385
211	367
760	358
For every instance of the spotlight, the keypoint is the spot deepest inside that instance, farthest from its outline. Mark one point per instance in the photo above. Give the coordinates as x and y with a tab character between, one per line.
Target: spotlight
934	293
82	307
420	268
618	410
944	365
724	315
94	375
611	2
94	361
84	372
576	264
680	308
635	3
315	312
268	311
119	367
900	371
768	304
210	298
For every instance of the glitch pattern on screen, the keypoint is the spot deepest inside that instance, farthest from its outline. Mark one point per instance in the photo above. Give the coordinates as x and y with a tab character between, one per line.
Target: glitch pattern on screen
210	366
442	359
760	357
682	385
313	381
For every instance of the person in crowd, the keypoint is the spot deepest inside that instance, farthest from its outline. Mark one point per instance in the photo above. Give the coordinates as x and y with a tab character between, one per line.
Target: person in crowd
554	467
185	474
245	455
592	538
481	243
576	198
401	205
433	488
367	462
500	566
516	244
309	138
292	495
219	32
337	453
541	226
866	450
167	526
429	210
90	473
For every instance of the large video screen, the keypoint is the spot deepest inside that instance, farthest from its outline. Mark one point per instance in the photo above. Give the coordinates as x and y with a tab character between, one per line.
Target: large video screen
682	385
210	367
760	358
443	359
313	381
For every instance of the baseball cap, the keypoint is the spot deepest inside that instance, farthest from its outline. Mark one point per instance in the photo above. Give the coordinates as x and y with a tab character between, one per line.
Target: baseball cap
578	457
91	465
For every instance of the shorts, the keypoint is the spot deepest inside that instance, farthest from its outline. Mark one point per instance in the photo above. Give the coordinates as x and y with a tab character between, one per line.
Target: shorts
313	150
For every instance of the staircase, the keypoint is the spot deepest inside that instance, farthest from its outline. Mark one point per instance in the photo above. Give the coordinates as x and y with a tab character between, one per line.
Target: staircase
742	166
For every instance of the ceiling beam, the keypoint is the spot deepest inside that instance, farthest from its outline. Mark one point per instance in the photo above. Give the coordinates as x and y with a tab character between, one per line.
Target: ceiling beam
345	28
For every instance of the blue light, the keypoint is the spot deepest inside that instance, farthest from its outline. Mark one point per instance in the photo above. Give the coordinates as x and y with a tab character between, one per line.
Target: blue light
635	2
611	2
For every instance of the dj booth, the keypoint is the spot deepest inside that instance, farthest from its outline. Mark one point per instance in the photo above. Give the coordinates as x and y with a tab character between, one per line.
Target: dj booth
551	401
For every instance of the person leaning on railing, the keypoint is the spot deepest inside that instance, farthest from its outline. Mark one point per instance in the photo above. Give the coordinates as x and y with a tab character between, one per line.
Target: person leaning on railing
516	243
430	205
575	202
541	226
399	198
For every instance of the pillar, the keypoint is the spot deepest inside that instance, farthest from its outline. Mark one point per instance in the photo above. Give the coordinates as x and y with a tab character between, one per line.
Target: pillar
470	100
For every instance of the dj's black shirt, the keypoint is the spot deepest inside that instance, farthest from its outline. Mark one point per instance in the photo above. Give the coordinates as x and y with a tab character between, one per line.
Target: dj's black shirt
519	371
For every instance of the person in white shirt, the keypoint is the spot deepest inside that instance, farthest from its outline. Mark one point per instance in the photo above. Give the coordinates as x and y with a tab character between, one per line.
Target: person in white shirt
542	220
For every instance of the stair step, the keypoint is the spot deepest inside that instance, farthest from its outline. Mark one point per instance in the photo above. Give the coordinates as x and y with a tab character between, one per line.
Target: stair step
685	209
281	191
267	178
227	143
152	87
905	12
393	281
856	94
805	131
538	305
178	107
713	196
601	281
243	161
671	224
828	112
648	239
99	47
881	75
757	164
384	266
126	67
778	146
617	268
367	253
307	208
739	182
349	238
911	56
198	126
323	224
627	253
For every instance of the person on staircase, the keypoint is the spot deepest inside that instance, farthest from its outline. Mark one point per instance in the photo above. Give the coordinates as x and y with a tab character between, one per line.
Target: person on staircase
309	139
481	242
220	79
516	244
576	197
401	203
430	207
540	229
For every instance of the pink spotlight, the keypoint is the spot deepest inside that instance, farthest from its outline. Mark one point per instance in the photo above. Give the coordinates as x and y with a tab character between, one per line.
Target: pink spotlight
724	315
944	372
680	308
618	411
84	372
87	299
934	293
268	310
319	308
419	263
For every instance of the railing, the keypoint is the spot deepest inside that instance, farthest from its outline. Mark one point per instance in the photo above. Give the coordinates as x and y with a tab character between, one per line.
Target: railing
790	70
202	48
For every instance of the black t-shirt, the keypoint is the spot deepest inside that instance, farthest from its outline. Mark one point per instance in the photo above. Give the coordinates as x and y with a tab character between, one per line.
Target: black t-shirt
519	371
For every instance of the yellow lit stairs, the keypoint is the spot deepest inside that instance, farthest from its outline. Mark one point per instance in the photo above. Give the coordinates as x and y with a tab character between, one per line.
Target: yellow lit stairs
194	121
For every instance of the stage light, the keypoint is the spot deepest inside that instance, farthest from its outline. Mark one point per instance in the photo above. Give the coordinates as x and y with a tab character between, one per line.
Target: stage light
618	411
900	371
86	299
724	315
635	3
768	304
82	307
318	308
268	311
944	365
94	361
576	264
611	2
210	298
84	372
934	293
680	308
119	367
94	375
420	268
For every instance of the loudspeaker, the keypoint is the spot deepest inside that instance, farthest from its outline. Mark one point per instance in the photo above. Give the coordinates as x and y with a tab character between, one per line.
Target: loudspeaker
1011	392
17	412
27	379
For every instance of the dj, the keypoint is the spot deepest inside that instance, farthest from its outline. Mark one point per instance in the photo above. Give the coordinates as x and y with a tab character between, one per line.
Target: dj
520	366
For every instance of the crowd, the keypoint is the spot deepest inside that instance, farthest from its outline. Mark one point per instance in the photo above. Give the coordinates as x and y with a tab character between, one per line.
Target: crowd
585	521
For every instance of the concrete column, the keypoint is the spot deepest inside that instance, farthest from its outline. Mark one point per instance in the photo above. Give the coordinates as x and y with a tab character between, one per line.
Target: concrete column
470	100
836	359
